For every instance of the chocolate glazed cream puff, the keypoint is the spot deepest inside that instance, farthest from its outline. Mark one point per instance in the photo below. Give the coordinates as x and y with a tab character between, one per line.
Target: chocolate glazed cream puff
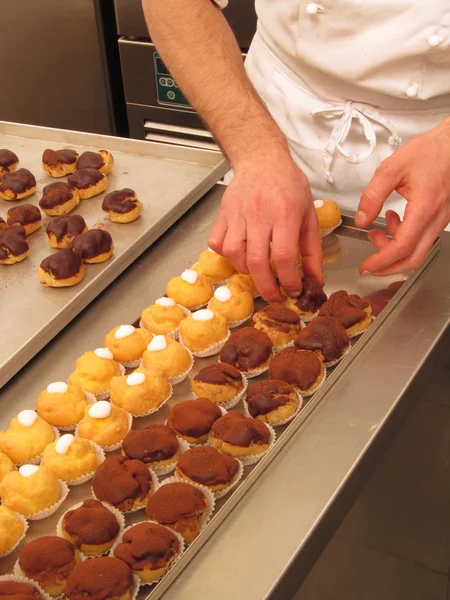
94	246
59	199
14	246
8	161
62	231
58	163
122	206
88	182
27	216
102	160
63	269
17	185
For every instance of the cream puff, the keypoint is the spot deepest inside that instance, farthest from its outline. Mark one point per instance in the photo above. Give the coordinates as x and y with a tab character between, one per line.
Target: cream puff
105	424
240	436
12	530
62	404
59	199
246	283
8	161
104	577
88	182
190	290
163	317
122	206
58	163
328	214
30	490
220	383
279	322
214	267
72	459
141	392
207	466
310	300
273	401
14	246
232	302
26	437
325	336
94	246
168	356
249	350
6	466
303	369
204	333
62	269
27	216
352	312
94	371
156	445
62	230
17	185
127	344
192	419
102	161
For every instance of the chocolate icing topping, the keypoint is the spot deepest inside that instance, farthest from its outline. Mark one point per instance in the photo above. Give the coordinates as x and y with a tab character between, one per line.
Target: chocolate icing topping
25	214
92	243
119	479
151	444
208	466
84	178
266	396
120	201
278	317
220	374
70	225
17	182
193	418
63	264
47	553
325	334
2	223
238	430
13	240
14	590
347	309
312	296
55	197
99	579
247	349
175	501
147	544
54	157
300	368
7	158
90	160
57	185
91	524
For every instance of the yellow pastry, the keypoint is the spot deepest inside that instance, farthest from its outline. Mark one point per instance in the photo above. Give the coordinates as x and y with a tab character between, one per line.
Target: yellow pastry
105	424
234	303
141	392
190	289
6	465
70	458
12	529
27	436
94	371
127	344
61	404
246	283
204	332
214	266
30	490
168	356
329	215
163	317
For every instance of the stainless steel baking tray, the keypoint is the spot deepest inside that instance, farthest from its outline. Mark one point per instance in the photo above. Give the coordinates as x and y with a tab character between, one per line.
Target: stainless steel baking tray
167	179
344	251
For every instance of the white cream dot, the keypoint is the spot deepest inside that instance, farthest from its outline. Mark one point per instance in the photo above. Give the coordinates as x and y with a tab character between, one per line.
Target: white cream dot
57	387
318	204
435	40
157	344
189	276
313	9
203	315
165	302
223	294
28	470
412	90
100	410
64	443
104	353
135	378
27	418
124	331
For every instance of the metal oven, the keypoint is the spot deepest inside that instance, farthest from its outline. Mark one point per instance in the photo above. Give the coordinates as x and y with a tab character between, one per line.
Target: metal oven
156	108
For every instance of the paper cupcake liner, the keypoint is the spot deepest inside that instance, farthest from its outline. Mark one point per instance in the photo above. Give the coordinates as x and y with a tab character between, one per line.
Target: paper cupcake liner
277	349
305	319
174	561
254	372
90	398
166	469
119	516
131	364
206	516
180	378
43	514
254	458
234	324
24	522
220	493
36	460
100	455
211	351
155	486
333	363
233	401
283	421
23	579
353	335
307	394
329	230
114	446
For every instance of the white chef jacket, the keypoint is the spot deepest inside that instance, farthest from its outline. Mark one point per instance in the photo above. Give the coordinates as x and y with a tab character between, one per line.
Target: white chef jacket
348	81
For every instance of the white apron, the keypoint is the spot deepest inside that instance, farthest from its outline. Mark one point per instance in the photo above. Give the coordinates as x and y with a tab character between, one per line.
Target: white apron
348	81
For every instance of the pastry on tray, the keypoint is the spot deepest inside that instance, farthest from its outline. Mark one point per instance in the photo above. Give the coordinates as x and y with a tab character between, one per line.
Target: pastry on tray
213	266
190	290
168	356
88	182
14	246
156	445
62	404
163	317
71	459
310	300
249	350
352	312
301	368
102	160
17	185
141	392
6	465
26	437
192	419
94	371
204	333
59	199
240	436
105	424
279	322
246	283
62	230
62	269
219	382
19	590
8	161
122	206
58	163
325	336
27	216
102	578
127	344
328	214
272	401
12	530
234	303
94	246
207	466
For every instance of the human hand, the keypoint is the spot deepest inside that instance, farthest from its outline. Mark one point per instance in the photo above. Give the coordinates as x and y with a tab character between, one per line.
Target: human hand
269	201
420	172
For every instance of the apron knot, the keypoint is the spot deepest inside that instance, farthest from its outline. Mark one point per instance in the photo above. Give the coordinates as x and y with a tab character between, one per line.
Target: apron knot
365	114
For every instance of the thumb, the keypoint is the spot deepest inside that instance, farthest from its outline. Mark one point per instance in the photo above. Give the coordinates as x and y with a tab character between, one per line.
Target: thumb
381	186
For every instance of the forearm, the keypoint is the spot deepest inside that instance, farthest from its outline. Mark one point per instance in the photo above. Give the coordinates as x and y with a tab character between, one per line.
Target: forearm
201	52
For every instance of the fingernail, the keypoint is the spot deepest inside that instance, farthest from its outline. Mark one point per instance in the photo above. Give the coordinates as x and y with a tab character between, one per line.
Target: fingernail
294	294
365	273
361	216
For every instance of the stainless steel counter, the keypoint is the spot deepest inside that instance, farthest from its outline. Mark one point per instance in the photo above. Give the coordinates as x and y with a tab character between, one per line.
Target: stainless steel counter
266	545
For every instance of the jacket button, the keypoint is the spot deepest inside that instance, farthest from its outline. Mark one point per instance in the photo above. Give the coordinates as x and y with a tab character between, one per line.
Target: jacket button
314	9
412	90
435	40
